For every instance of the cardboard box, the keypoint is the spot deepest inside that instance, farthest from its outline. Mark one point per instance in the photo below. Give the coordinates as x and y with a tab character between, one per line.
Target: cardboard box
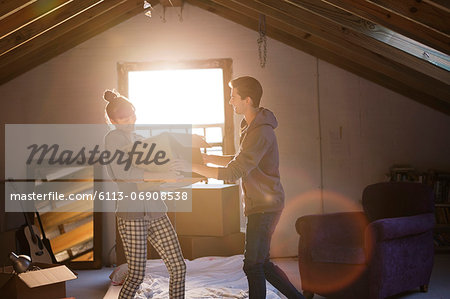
215	212
172	146
47	283
194	246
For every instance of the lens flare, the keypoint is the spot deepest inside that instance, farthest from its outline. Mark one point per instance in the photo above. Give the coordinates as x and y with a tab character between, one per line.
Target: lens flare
325	276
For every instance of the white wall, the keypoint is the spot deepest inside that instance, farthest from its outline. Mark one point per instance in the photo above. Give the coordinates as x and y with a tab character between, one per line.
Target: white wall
365	128
379	128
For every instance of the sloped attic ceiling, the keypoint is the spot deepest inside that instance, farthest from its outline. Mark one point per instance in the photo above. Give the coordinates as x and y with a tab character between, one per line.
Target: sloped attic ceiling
402	45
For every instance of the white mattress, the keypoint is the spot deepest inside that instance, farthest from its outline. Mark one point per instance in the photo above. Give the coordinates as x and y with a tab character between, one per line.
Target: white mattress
206	277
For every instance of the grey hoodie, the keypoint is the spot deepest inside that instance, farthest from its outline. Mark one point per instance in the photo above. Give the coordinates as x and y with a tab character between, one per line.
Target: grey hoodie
257	163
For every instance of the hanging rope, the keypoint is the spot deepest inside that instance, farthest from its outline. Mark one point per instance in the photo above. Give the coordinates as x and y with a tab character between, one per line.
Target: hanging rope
149	8
180	15
262	41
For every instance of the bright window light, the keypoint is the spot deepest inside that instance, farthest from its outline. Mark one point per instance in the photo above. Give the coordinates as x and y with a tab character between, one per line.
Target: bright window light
187	96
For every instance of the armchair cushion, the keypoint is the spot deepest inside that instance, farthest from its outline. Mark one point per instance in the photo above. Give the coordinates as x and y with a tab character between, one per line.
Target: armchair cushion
339	255
332	238
394	228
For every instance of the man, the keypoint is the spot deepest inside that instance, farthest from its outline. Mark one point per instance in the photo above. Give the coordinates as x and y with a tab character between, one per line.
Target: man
257	163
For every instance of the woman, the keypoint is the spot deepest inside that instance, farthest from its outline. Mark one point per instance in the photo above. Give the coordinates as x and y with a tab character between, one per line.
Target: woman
136	221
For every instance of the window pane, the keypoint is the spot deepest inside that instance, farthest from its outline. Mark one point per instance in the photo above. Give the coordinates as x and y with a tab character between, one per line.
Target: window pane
215	150
188	96
198	131
214	135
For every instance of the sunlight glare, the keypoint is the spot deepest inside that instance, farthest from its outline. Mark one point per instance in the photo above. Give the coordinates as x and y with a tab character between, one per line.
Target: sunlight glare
187	96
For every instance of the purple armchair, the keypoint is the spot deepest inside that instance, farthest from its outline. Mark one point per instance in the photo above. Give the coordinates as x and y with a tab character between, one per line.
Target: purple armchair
385	250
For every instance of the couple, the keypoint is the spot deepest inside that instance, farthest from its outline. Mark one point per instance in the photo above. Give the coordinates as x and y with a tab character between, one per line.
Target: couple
256	162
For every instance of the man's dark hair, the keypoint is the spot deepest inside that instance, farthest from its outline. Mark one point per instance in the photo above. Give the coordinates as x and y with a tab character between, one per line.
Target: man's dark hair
248	87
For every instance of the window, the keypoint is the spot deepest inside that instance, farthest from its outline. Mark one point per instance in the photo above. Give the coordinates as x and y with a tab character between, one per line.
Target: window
190	92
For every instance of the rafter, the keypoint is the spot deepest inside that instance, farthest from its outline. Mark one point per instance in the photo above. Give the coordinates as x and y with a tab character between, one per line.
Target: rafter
396	22
10	6
171	3
370	38
334	22
27	15
440	3
13	64
322	35
50	34
52	22
422	12
341	56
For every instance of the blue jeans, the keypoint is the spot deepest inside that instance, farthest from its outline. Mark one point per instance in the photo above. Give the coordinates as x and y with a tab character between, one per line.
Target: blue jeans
257	265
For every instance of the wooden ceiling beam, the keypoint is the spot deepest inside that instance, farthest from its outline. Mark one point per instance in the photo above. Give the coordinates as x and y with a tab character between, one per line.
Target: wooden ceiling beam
422	12
34	56
250	20
8	6
322	35
324	50
283	25
52	22
171	3
60	30
396	22
440	3
337	25
26	15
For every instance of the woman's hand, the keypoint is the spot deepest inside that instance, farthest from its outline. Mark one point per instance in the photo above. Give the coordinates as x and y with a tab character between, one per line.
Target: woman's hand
206	158
181	165
173	176
170	176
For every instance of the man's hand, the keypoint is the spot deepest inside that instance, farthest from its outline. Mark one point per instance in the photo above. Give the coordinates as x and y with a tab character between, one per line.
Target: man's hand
217	160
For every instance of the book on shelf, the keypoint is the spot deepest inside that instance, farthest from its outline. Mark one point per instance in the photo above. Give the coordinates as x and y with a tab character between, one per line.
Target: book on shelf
441	187
441	239
403	173
444	180
438	180
442	215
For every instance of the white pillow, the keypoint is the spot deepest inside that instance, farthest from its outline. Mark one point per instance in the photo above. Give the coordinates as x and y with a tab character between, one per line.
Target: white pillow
119	274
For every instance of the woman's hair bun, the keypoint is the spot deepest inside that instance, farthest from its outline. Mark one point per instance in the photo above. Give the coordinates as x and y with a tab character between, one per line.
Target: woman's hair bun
110	95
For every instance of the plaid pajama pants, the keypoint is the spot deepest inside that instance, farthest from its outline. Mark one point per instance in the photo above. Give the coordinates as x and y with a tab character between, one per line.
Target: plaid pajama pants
162	236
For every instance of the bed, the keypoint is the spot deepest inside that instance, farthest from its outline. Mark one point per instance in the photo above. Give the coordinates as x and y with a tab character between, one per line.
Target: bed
206	277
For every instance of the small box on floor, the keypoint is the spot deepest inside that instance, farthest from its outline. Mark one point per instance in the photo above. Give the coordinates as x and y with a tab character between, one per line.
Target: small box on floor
215	212
200	246
48	282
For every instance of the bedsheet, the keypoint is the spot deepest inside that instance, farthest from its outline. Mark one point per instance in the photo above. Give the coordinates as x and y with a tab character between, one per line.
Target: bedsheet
206	277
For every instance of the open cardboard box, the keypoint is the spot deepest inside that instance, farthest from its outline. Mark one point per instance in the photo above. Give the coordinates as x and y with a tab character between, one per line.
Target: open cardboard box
47	283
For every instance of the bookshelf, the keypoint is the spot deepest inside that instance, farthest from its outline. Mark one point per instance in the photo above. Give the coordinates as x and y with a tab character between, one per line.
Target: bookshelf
440	182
